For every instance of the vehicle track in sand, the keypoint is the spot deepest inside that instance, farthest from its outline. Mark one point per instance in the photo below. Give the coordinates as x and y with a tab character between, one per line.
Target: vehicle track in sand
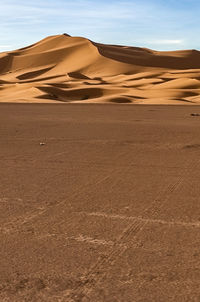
100	269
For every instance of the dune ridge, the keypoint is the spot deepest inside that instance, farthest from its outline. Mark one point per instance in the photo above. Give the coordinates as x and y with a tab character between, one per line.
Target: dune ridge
62	68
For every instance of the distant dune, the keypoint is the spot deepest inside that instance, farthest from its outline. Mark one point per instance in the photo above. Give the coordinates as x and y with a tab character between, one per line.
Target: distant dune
72	69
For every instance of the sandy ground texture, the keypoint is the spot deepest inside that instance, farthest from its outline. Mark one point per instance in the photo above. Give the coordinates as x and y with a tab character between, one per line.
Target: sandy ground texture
99	203
72	69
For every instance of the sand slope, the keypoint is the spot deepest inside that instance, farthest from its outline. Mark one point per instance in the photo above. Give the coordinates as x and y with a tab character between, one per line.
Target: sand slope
73	69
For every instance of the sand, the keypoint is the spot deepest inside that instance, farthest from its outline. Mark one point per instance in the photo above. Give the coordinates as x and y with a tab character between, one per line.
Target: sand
99	203
62	68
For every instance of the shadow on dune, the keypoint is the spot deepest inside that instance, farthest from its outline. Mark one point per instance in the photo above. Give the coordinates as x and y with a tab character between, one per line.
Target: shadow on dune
120	100
74	69
5	63
188	59
70	94
78	75
33	74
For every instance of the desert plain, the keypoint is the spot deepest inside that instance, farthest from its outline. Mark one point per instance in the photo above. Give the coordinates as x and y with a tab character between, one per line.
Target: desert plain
105	209
99	201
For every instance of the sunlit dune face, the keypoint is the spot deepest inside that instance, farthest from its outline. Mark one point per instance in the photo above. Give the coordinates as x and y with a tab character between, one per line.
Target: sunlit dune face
73	69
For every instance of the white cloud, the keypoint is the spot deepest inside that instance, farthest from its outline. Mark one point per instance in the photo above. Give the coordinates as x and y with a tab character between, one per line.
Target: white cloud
167	42
143	23
83	9
6	47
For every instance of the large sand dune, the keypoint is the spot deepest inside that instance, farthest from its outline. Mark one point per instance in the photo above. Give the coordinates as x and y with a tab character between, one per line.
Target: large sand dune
72	69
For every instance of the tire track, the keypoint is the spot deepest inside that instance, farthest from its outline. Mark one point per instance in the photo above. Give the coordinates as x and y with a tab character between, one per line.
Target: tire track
160	202
195	224
18	222
99	270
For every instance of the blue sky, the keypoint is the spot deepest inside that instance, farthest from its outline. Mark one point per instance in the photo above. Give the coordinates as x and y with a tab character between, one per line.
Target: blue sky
157	24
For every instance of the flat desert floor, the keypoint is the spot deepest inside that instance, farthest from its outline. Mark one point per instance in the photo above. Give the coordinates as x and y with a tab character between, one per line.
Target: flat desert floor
106	210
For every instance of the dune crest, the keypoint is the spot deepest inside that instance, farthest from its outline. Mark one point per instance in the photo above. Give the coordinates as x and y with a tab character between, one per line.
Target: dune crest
73	69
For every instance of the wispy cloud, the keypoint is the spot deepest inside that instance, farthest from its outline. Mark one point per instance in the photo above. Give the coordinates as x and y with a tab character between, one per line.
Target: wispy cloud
167	42
133	22
83	9
5	47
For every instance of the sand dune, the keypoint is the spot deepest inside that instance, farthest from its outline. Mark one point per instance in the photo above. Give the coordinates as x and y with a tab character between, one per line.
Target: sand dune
73	69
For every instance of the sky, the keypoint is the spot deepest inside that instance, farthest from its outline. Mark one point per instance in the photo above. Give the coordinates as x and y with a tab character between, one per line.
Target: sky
156	24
